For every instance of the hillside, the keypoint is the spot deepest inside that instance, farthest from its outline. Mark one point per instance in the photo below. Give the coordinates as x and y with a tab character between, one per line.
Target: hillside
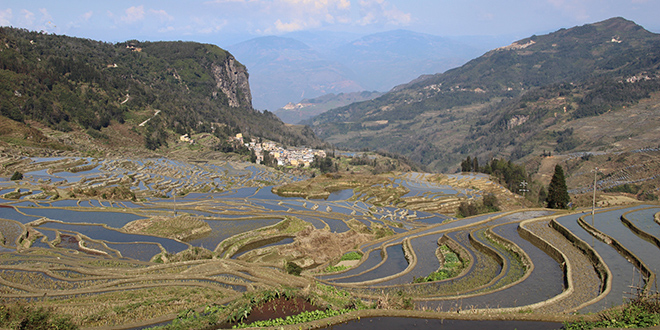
130	94
308	108
517	101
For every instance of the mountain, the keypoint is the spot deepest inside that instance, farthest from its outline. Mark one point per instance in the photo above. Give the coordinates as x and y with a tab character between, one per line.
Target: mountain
515	101
152	91
308	108
384	60
284	70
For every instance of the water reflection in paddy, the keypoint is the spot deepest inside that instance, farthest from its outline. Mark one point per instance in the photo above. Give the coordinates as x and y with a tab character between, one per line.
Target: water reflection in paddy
112	219
99	232
13	214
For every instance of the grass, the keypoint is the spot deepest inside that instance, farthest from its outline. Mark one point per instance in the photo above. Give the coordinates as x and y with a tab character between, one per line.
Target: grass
22	316
642	312
451	267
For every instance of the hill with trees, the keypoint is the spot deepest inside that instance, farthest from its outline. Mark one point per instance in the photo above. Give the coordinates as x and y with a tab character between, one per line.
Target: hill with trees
591	87
153	91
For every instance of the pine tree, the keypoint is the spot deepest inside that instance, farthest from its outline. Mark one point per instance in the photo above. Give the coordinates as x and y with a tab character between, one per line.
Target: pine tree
557	192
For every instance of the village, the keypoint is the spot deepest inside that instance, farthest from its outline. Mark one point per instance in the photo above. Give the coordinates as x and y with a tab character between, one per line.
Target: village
291	156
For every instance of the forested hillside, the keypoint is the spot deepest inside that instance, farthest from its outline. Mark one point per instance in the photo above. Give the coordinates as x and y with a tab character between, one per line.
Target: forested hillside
517	100
158	89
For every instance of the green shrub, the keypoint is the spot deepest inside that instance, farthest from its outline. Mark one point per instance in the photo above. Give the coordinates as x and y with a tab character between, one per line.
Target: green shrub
354	255
17	176
293	268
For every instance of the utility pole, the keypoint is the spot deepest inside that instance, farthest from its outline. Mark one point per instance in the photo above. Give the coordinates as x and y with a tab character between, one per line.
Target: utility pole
523	189
593	204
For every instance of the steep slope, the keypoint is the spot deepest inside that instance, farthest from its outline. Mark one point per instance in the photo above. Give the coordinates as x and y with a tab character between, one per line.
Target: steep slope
511	101
157	89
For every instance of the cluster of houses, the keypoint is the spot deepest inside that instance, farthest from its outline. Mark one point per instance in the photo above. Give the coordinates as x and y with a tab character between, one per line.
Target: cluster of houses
293	156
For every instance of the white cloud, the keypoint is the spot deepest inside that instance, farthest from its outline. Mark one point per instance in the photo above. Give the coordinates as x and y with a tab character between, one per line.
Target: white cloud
133	14
45	14
5	17
382	12
162	15
86	16
27	16
295	15
290	27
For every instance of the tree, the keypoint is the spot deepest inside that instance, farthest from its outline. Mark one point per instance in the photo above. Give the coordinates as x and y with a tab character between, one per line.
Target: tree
17	176
466	165
557	192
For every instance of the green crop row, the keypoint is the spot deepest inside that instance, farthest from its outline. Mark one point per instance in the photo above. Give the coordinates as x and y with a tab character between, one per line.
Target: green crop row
303	317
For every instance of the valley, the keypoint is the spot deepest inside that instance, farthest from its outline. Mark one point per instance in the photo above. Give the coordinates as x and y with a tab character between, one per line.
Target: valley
150	193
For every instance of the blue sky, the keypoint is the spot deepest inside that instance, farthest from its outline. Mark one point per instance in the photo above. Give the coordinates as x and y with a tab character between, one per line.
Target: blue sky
224	22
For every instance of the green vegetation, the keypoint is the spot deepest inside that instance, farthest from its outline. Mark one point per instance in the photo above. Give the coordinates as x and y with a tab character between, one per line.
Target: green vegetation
307	316
639	313
22	316
508	101
78	84
557	192
17	176
451	267
337	268
353	255
293	268
488	204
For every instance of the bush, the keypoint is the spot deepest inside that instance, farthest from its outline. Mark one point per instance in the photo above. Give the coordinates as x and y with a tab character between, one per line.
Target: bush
293	268
352	256
17	176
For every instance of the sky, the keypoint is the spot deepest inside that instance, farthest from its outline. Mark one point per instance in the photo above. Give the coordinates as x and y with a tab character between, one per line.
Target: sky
226	22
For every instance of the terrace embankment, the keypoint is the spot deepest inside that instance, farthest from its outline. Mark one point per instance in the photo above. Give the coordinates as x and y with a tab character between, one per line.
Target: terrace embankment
648	274
180	227
579	271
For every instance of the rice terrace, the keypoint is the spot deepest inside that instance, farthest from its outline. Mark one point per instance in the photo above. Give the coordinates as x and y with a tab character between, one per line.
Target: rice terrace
125	243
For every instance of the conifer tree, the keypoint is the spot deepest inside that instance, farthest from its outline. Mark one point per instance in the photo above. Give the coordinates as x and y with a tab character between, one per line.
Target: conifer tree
557	191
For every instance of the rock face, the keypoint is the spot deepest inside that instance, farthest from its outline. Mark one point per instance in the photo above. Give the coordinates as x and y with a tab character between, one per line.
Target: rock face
232	79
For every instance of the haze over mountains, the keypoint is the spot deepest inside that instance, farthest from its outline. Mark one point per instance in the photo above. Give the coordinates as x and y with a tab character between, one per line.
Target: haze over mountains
307	65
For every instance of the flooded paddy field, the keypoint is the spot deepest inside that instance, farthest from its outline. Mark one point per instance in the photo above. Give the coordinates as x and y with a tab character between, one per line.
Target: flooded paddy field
217	231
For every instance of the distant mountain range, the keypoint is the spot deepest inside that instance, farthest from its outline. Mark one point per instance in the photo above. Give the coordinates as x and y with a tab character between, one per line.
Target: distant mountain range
516	101
284	69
